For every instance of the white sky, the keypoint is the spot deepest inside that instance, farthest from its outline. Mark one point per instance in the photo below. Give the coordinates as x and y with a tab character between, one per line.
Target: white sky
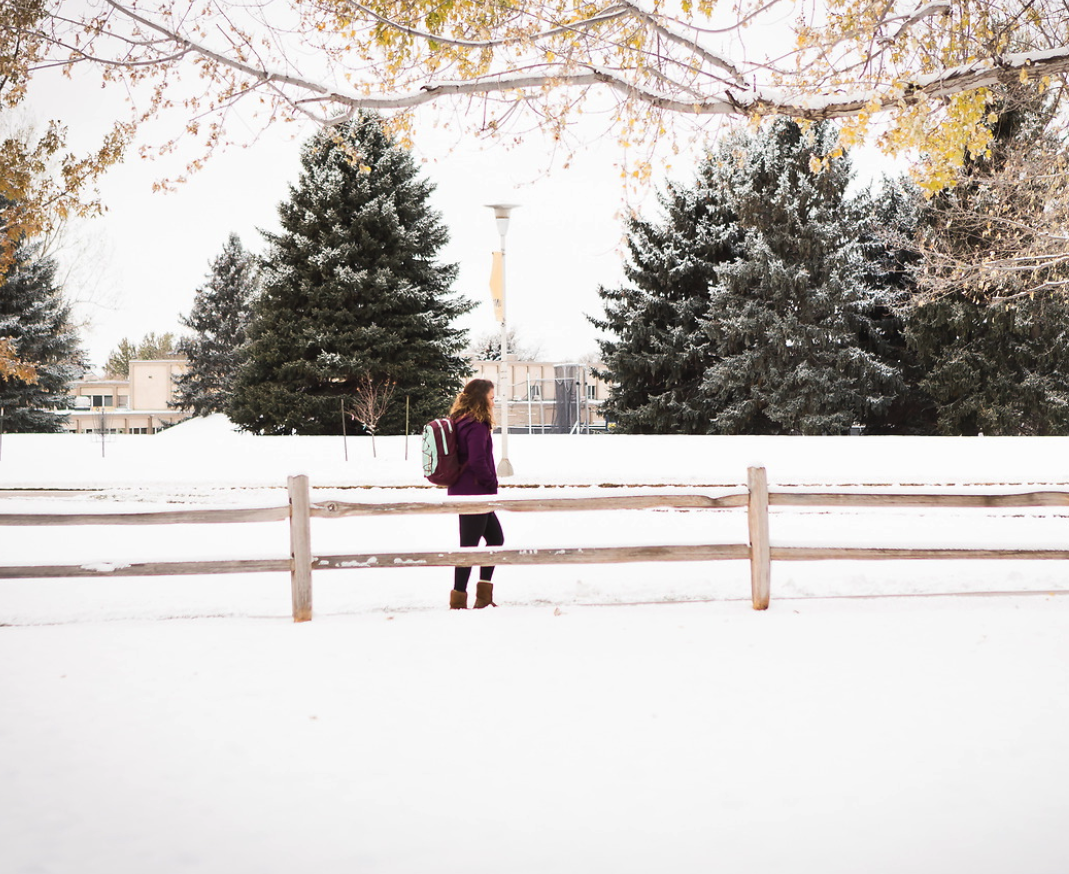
137	269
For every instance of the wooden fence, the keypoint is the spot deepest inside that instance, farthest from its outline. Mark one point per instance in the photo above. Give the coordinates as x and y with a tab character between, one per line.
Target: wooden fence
757	499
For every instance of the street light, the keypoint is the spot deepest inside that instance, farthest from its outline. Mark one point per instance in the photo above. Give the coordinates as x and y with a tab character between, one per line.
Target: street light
497	288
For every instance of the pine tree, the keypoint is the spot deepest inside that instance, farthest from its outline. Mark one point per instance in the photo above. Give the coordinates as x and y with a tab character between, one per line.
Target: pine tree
993	348
752	308
154	346
996	369
219	318
151	348
893	213
36	318
657	362
351	291
786	317
118	364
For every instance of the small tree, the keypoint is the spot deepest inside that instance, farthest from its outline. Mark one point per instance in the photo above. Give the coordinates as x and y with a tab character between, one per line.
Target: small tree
487	347
151	348
371	397
118	363
41	353
220	317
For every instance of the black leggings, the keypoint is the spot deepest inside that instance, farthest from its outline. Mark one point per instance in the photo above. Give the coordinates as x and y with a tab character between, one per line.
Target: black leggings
481	526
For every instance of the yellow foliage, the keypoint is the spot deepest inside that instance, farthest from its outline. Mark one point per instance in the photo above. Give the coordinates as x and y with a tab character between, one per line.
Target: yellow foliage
922	69
11	367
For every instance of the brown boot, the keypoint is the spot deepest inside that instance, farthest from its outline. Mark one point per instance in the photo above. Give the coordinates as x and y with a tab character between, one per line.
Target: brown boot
484	595
458	600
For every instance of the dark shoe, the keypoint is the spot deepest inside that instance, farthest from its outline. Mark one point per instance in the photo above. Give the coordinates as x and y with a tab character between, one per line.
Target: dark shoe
484	595
458	600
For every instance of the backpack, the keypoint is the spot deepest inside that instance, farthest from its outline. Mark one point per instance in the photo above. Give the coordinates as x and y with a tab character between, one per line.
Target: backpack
441	461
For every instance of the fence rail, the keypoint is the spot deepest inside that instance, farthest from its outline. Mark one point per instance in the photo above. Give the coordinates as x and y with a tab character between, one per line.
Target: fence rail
338	510
170	517
756	498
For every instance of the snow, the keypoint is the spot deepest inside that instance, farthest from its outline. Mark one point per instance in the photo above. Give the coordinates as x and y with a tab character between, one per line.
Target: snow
879	717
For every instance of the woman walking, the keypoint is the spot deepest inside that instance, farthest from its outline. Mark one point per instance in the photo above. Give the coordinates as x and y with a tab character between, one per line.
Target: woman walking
473	415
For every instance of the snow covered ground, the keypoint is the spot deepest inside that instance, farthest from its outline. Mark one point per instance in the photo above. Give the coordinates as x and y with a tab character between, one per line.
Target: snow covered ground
626	718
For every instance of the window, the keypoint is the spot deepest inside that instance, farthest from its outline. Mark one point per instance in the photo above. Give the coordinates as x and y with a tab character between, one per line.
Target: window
536	391
124	400
591	391
101	400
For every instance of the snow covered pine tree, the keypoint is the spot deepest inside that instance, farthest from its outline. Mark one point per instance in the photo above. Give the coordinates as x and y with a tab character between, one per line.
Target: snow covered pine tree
220	318
36	318
352	290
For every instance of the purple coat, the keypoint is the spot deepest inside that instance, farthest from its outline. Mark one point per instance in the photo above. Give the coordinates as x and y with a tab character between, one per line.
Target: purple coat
476	450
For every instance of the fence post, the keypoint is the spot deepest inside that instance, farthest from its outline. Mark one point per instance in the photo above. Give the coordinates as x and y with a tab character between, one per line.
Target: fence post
757	517
300	548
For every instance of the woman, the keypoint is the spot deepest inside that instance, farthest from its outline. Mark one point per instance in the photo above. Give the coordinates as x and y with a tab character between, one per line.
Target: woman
473	414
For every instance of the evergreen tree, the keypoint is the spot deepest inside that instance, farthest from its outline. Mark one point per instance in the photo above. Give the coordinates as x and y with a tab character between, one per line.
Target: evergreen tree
993	347
997	369
220	317
352	291
35	317
118	364
893	214
656	364
786	317
752	308
151	348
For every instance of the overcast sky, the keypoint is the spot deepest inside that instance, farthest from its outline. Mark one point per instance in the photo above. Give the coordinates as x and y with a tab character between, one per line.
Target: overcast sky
137	269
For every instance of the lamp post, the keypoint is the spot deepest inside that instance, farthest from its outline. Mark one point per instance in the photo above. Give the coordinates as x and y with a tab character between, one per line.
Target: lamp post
501	215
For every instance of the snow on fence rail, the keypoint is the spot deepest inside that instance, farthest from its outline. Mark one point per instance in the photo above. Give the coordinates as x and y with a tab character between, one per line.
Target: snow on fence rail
759	551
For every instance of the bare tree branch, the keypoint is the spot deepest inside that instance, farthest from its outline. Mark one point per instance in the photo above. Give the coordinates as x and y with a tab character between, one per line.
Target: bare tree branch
723	99
371	398
923	65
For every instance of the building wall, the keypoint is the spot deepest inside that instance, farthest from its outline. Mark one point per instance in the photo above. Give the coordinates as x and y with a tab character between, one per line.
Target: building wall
547	397
152	383
543	396
138	405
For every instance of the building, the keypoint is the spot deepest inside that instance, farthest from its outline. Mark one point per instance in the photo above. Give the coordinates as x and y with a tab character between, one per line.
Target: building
136	405
545	398
548	398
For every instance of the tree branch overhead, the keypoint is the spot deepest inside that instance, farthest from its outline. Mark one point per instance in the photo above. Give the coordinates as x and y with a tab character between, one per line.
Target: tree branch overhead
923	66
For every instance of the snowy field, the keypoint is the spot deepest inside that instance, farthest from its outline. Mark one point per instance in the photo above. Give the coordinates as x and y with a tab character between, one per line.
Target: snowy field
880	717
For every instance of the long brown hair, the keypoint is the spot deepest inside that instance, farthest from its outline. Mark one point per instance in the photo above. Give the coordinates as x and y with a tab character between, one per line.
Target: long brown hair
474	402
